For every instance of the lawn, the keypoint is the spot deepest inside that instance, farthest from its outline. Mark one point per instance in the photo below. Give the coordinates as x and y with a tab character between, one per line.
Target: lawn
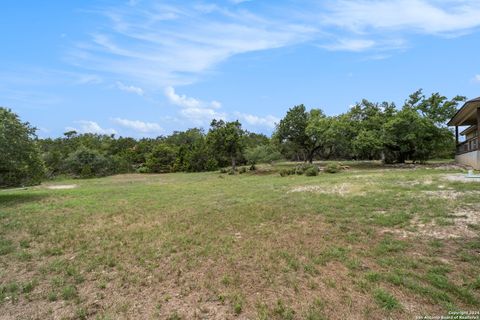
368	242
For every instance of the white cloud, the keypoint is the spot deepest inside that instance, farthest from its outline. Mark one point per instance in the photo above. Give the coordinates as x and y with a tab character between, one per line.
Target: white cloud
476	78
86	126
188	102
180	100
195	110
131	89
267	121
139	126
420	16
202	116
355	45
139	41
142	44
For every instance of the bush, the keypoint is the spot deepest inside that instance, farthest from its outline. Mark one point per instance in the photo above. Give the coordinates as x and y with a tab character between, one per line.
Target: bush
231	171
262	154
161	159
223	170
87	163
253	167
242	170
311	171
333	168
287	172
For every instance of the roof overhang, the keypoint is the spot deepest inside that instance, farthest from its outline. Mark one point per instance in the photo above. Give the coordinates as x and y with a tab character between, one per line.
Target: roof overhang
467	114
468	130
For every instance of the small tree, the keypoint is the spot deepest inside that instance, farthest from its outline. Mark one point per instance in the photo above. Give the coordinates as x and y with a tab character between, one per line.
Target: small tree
20	161
226	138
293	129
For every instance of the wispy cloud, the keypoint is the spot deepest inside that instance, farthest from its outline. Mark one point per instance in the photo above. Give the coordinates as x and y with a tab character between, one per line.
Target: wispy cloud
86	126
138	126
356	45
476	78
166	45
420	16
171	43
130	88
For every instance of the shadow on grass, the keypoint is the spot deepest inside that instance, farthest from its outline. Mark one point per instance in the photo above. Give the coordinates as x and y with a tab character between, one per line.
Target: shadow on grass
12	199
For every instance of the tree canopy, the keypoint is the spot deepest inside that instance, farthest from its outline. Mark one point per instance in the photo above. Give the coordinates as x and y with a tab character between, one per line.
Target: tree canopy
20	162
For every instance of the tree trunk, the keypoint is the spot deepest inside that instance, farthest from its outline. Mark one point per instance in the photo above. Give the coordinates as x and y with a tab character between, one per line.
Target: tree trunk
310	157
234	163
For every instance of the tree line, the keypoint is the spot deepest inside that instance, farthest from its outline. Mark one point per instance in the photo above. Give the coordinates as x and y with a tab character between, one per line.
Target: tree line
368	131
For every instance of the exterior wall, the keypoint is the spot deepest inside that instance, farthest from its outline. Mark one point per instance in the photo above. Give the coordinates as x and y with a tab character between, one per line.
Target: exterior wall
471	159
471	135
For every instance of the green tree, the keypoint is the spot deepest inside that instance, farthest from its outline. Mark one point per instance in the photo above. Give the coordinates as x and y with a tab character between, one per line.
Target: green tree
227	139
161	159
20	161
87	163
408	135
292	129
366	121
437	108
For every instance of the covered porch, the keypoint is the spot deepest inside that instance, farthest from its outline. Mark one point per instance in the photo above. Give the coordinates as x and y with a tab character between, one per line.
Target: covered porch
468	149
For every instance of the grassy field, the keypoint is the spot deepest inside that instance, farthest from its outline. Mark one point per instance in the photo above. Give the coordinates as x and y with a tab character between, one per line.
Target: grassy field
368	242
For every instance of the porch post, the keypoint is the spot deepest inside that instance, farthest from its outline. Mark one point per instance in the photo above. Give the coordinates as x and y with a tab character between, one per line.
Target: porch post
478	128
456	135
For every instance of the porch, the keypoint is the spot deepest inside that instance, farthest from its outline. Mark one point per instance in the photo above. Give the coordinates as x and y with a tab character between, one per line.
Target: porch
468	150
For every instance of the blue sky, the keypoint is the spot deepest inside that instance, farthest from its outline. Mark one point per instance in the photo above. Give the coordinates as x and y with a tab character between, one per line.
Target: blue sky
144	68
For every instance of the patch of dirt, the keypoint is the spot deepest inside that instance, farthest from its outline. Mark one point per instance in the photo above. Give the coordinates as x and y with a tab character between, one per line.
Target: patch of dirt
449	194
61	186
438	166
460	227
459	177
412	183
339	189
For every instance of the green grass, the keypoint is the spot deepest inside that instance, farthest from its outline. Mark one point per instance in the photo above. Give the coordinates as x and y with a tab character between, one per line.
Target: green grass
253	245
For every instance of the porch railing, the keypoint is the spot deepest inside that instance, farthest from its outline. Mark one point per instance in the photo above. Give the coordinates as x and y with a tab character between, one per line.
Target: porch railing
468	146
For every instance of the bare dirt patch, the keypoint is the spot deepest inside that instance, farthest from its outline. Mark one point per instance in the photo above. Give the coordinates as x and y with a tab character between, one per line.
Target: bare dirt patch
459	177
62	186
449	194
341	189
460	227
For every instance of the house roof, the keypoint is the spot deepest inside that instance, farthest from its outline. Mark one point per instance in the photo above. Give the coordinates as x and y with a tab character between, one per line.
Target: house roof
466	115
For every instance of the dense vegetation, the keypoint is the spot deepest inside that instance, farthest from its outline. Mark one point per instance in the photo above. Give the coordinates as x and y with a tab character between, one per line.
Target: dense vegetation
368	130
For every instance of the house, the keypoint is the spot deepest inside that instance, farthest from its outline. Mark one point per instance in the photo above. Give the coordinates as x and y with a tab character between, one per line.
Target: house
468	151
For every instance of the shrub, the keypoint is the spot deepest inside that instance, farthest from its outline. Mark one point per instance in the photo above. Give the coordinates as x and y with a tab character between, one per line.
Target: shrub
242	170
161	159
311	171
231	171
287	172
87	163
332	168
262	154
223	170
253	167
